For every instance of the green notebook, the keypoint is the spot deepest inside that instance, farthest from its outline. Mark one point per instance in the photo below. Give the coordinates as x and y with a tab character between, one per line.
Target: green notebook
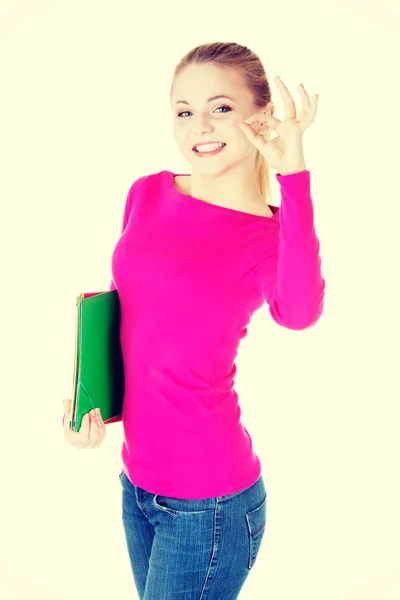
98	380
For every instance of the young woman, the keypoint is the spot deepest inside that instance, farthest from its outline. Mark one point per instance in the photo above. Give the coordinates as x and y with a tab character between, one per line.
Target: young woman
198	255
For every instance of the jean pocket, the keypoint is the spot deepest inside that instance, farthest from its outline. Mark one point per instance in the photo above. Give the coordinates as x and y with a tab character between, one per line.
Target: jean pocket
122	476
180	506
256	521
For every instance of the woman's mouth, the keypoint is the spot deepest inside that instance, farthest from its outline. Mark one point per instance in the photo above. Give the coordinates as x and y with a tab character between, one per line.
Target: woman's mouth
206	153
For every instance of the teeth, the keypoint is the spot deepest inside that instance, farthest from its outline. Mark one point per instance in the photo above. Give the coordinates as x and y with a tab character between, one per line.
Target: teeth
209	147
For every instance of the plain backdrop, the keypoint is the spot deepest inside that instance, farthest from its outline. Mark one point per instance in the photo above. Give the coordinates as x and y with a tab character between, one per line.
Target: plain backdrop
84	112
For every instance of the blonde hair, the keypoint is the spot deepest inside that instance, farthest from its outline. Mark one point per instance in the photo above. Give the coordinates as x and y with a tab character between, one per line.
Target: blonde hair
244	62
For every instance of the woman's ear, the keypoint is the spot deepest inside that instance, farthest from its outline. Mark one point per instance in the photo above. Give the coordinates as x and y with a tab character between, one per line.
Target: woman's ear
270	108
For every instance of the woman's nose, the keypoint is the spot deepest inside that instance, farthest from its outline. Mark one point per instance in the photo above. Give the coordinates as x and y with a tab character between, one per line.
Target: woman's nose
202	125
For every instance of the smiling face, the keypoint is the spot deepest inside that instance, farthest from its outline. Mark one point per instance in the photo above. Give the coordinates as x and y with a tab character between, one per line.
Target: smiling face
200	120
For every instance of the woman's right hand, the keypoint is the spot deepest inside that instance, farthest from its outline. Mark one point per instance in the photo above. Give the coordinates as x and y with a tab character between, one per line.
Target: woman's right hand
91	433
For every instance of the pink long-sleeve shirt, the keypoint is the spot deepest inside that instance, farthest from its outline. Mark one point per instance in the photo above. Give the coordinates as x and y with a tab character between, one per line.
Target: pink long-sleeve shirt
189	276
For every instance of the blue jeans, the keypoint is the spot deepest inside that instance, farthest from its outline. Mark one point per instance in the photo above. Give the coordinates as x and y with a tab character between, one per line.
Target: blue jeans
192	549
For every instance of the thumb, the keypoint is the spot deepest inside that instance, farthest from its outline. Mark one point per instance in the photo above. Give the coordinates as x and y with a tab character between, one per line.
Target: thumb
66	404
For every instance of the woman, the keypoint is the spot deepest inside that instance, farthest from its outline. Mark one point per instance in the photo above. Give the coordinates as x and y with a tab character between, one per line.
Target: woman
198	255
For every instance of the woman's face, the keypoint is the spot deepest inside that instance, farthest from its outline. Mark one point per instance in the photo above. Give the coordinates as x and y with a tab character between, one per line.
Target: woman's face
216	120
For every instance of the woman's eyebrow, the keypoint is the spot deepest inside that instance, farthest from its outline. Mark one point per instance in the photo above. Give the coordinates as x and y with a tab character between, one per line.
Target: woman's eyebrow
209	99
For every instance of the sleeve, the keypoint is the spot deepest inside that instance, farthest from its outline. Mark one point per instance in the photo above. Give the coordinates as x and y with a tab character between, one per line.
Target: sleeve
127	212
291	281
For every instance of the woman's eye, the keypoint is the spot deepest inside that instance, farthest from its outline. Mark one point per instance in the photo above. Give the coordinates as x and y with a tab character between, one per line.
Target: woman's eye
187	111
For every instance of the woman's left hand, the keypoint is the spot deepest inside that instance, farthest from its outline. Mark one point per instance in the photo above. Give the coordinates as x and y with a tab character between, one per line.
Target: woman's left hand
285	152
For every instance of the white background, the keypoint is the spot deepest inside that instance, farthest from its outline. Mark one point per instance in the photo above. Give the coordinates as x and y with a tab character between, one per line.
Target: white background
84	112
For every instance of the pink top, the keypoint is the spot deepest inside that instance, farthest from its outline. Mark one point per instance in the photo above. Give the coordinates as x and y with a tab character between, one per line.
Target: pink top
189	276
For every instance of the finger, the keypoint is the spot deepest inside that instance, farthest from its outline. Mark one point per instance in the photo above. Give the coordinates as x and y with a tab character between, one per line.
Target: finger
66	404
266	121
101	429
66	417
290	106
102	425
257	118
305	98
100	420
84	430
310	114
252	136
94	430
